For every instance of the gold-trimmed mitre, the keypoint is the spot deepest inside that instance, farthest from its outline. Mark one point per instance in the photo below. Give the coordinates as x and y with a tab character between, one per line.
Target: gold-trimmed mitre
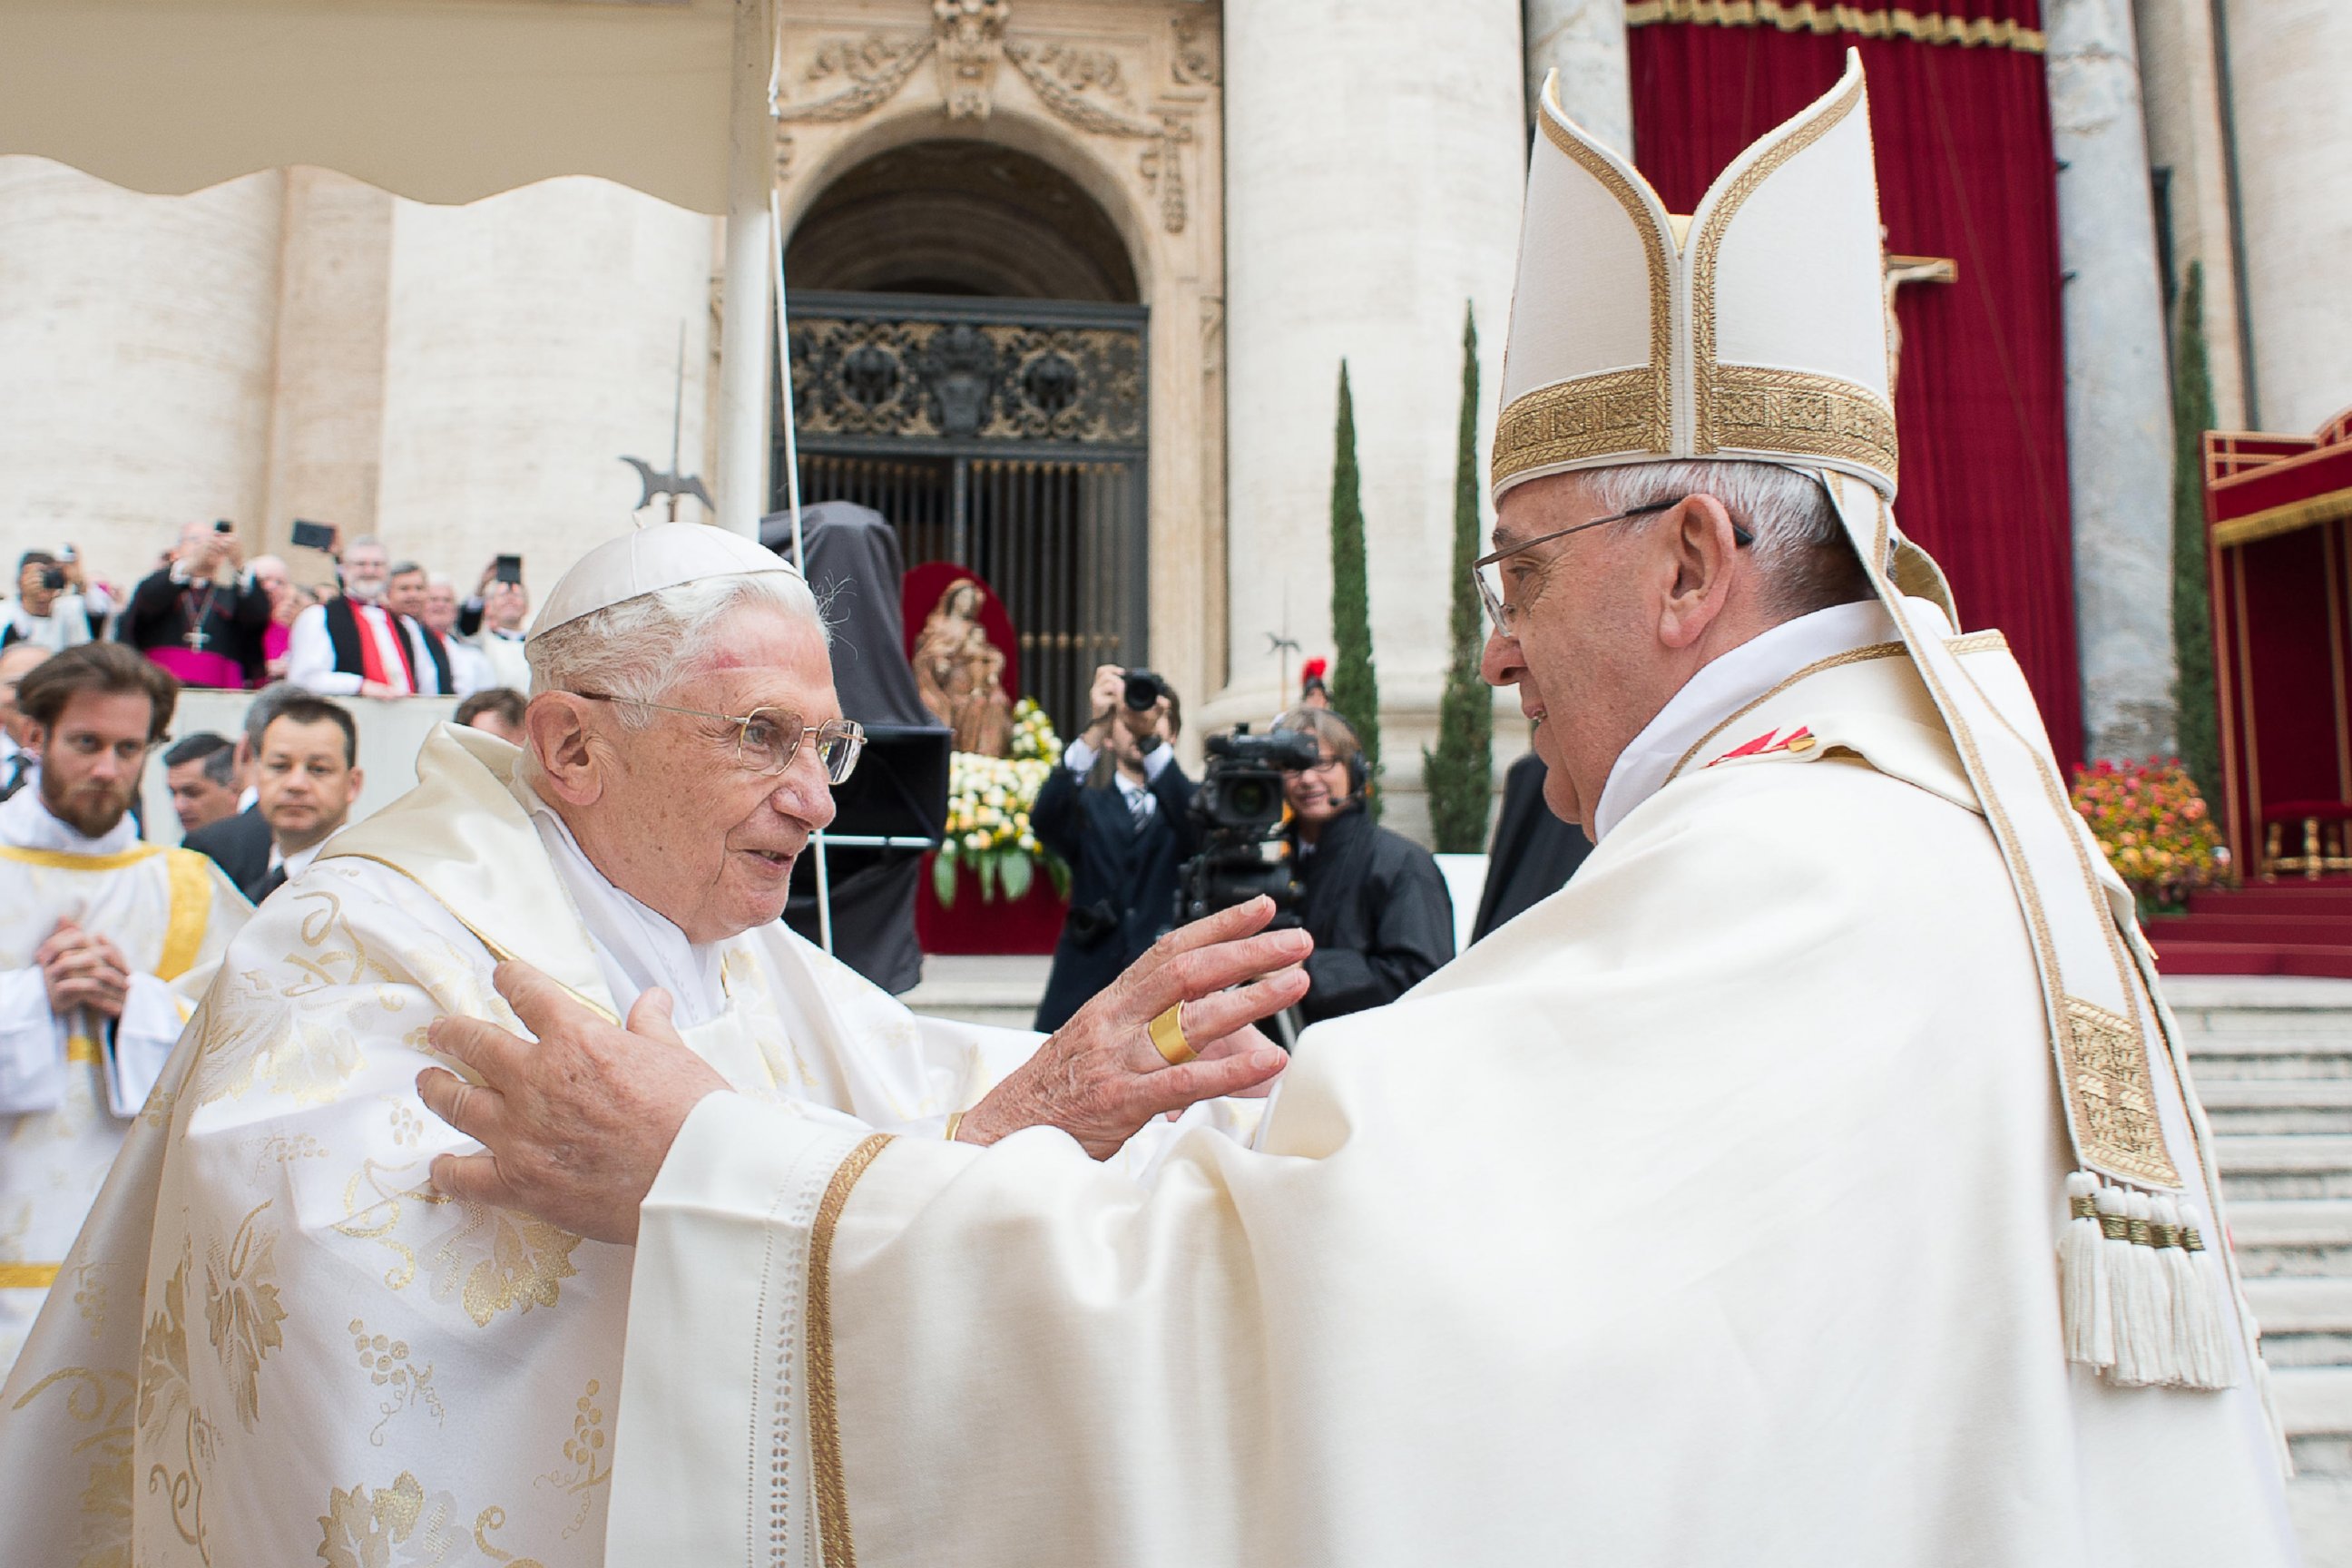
1755	328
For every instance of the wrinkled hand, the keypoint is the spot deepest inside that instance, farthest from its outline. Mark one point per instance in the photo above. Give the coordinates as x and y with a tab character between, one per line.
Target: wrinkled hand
1099	1077
575	1123
83	971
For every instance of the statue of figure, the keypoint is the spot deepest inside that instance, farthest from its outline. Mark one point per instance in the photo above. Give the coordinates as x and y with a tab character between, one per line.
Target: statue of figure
959	674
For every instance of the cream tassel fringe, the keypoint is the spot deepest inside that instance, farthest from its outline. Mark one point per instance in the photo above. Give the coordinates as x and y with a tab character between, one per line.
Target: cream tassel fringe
2138	1290
2082	1277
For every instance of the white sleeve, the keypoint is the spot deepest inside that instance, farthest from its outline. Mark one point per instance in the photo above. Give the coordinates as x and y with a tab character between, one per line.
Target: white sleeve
32	1044
311	657
1078	756
144	1038
1156	760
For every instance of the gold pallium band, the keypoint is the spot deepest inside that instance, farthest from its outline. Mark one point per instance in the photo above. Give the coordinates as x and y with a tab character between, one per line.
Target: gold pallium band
1810	17
28	1276
1168	1037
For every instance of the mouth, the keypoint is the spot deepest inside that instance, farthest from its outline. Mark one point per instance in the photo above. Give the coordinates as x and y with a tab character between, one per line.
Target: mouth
1535	715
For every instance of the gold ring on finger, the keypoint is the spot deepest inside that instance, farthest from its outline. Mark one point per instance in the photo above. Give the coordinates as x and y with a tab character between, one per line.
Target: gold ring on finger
1168	1037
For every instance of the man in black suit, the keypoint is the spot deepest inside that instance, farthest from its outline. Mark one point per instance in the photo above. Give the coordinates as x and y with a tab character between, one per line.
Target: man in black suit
239	845
306	769
1116	811
1535	852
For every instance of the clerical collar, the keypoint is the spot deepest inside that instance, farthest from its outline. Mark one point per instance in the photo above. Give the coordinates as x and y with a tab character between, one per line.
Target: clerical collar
26	823
636	947
1730	682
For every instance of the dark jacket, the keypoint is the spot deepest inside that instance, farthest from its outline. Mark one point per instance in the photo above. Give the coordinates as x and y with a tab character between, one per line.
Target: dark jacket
1377	907
234	618
1535	852
1123	880
239	845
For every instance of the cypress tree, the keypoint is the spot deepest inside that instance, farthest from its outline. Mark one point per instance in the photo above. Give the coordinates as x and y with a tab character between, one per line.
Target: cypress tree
2192	608
1355	688
1460	773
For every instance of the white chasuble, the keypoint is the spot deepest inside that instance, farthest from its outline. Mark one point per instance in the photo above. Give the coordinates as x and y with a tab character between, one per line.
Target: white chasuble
1703	1215
292	1350
69	1085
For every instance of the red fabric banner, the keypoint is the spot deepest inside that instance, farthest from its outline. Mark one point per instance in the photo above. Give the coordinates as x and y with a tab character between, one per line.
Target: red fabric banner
1965	170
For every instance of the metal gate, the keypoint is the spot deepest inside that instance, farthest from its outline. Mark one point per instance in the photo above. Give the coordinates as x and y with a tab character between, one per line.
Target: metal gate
1006	435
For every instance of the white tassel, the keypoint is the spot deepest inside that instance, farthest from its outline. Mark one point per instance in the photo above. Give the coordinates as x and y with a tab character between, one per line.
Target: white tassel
2199	1325
2124	1308
2152	1296
2088	1315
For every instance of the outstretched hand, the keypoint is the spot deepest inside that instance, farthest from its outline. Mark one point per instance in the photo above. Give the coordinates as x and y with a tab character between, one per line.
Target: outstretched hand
1099	1077
574	1124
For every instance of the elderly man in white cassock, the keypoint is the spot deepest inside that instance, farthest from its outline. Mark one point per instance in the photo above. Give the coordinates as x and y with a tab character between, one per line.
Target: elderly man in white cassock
288	1347
1814	1179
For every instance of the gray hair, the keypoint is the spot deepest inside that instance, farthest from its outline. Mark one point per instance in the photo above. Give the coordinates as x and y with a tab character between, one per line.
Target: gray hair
265	707
637	650
401	569
1800	550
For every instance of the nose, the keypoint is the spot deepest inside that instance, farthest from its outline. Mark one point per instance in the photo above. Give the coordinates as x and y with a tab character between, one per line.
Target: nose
1501	663
803	792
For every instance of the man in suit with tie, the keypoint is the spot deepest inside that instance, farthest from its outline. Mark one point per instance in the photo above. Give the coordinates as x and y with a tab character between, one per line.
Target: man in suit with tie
307	779
240	845
18	767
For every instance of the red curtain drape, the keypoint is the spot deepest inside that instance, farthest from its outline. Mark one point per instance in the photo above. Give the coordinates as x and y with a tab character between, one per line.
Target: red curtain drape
1965	170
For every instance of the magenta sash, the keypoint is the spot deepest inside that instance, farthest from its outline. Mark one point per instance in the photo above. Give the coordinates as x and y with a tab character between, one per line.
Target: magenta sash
198	668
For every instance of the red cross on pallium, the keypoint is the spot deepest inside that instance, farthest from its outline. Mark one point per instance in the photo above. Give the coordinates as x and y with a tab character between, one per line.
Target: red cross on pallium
1769	742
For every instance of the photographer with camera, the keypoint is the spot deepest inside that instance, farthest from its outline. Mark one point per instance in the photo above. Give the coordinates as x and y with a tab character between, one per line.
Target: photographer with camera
54	609
1116	813
1374	900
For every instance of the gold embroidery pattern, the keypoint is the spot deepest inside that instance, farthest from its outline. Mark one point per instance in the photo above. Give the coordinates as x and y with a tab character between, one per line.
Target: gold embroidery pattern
2114	1100
585	1452
385	1361
168	1411
1809	16
525	1260
404	1525
1708	247
101	1400
1617	411
824	1412
1627	410
242	1310
1834	661
1793	411
376	1221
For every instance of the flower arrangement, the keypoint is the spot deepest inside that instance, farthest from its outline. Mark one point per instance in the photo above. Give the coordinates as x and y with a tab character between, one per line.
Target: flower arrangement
2153	828
987	813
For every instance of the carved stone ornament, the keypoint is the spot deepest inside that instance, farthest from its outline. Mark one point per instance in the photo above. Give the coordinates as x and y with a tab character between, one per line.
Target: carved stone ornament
1087	89
967	380
970	38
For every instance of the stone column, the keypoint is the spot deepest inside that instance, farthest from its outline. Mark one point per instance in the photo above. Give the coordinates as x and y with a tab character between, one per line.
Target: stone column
1377	187
2289	62
326	437
2119	386
1584	40
136	338
532	340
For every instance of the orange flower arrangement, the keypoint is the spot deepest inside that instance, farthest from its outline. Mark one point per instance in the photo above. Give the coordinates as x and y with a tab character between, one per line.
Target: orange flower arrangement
2154	829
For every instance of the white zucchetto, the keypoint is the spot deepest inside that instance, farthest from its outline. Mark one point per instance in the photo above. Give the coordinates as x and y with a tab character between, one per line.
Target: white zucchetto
647	560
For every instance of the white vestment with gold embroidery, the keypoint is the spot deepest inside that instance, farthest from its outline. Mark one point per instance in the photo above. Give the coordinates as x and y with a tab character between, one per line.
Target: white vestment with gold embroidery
302	1354
69	1085
1705	1214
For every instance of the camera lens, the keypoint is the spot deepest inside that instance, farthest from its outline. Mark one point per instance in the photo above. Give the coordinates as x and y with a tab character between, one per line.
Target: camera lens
52	577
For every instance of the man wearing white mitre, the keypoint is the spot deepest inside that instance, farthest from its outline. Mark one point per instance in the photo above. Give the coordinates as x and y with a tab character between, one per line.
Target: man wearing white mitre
1813	1180
300	1352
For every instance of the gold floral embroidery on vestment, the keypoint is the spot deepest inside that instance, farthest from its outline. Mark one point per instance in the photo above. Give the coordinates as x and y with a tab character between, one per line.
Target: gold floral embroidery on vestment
376	1220
494	1260
385	1361
177	1441
2113	1095
242	1310
590	1465
103	1400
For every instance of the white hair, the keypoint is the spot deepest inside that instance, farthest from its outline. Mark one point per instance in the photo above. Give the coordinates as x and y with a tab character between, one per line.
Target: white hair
638	649
1800	548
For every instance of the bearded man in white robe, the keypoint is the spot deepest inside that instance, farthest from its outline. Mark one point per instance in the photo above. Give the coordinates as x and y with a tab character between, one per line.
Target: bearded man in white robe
1815	1179
105	942
307	1354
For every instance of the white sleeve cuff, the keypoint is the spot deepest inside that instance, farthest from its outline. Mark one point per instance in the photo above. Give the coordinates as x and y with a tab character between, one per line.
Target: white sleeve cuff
32	1045
1156	760
1077	756
144	1038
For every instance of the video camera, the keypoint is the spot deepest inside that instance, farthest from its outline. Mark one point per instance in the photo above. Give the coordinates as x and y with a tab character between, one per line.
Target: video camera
1238	811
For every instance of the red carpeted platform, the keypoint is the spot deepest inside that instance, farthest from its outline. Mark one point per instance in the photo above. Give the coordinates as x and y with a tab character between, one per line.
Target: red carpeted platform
2286	927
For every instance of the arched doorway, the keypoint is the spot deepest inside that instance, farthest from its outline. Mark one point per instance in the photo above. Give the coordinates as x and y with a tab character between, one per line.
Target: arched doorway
968	359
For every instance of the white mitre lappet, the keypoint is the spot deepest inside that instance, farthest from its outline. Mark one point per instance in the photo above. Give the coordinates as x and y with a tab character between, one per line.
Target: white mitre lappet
1765	339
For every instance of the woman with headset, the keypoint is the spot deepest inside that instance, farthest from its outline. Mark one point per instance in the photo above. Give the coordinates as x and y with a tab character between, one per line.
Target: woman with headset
1374	900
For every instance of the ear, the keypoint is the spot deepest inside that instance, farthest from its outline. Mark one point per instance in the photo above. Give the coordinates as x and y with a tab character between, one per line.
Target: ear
359	782
557	730
1702	557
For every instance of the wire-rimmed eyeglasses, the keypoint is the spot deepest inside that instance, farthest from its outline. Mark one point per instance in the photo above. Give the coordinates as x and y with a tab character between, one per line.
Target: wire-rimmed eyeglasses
1490	587
768	739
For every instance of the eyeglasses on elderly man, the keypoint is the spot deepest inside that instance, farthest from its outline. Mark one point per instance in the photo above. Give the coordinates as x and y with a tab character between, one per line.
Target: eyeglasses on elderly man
1484	573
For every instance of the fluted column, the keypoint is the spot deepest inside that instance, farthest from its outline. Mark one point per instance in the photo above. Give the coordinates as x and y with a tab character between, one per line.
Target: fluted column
2119	401
1584	40
1376	187
2289	62
136	361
